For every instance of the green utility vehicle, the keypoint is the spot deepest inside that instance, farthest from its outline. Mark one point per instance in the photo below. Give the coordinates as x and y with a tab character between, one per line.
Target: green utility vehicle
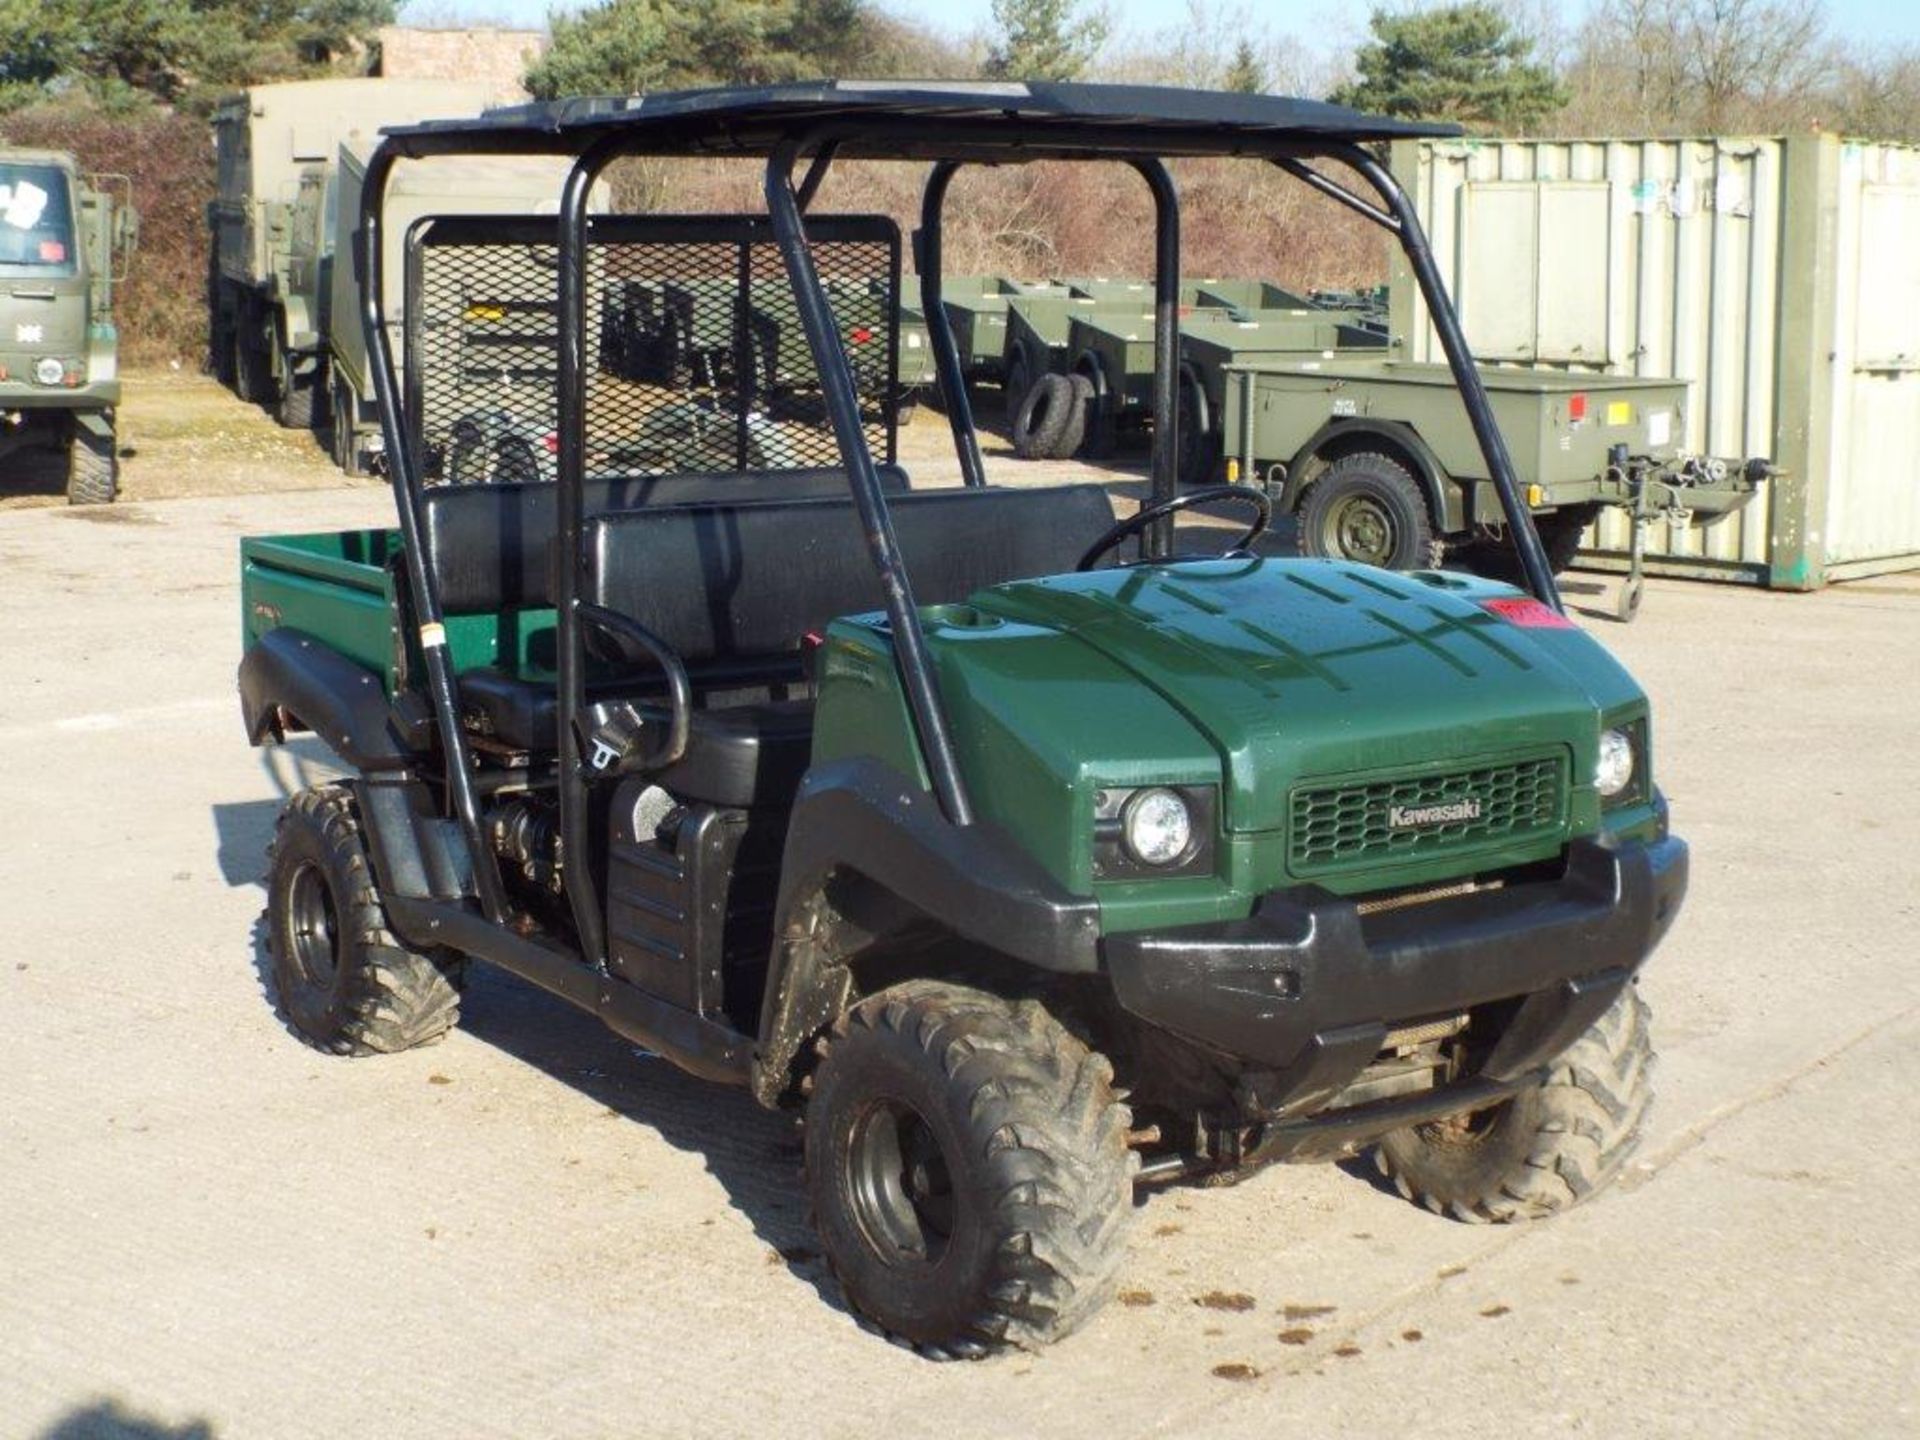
1377	461
271	225
65	241
1028	861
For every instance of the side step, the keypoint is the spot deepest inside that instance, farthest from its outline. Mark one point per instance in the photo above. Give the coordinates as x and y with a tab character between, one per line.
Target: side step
702	1047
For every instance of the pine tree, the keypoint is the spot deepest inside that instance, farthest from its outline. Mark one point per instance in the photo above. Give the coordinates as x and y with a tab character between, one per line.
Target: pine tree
1463	63
1043	39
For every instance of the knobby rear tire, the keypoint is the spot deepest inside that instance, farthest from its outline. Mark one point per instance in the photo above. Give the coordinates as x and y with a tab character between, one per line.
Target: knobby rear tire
371	994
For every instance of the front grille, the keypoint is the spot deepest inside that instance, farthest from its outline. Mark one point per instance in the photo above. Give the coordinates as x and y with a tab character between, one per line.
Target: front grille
1336	827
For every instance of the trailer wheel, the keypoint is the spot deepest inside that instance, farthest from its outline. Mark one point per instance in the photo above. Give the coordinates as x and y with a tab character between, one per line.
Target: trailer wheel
93	465
1367	507
1560	534
1199	442
968	1165
1045	416
343	980
1017	382
1079	415
1545	1149
1101	435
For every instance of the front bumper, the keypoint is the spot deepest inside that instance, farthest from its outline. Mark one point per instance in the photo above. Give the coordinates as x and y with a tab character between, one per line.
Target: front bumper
1304	991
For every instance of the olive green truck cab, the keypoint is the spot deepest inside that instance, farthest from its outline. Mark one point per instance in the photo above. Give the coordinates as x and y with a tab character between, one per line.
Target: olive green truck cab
1025	859
271	226
65	240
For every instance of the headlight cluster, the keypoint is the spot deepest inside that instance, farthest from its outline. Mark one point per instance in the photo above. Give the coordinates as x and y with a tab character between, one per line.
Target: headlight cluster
1619	770
1156	827
1157	830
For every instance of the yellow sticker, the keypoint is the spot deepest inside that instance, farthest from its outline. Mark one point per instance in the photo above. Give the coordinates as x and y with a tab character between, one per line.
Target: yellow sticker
486	312
1619	412
433	635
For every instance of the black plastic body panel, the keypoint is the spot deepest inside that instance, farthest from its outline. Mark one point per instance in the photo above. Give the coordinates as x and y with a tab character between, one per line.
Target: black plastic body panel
343	703
690	900
1306	988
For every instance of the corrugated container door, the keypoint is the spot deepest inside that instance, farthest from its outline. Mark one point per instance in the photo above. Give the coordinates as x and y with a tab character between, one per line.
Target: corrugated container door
1873	499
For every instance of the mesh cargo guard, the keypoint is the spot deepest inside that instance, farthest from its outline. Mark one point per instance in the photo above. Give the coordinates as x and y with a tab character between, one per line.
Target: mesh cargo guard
695	356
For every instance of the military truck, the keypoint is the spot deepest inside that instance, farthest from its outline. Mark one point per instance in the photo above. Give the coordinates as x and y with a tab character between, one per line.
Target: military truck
1376	460
505	322
272	225
65	241
1025	859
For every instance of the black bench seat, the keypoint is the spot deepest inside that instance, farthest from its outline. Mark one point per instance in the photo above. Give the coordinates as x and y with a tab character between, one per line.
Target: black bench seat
734	589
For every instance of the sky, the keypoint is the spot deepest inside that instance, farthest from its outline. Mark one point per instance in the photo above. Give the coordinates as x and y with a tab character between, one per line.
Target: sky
1334	22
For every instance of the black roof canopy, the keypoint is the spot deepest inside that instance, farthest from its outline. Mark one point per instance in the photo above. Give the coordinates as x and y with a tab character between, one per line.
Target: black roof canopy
915	119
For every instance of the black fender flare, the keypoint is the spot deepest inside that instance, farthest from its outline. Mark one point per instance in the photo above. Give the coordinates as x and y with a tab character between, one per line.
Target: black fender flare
1445	497
287	672
860	820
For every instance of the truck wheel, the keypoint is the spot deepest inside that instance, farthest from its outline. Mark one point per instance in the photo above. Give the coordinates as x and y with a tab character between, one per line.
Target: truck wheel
296	408
1369	508
93	467
968	1165
344	981
250	379
341	414
1545	1149
1043	419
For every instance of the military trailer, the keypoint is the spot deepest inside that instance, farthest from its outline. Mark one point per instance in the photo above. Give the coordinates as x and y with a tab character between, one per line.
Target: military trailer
1023	859
272	225
1212	342
1249	295
1115	354
510	318
65	240
976	307
1377	462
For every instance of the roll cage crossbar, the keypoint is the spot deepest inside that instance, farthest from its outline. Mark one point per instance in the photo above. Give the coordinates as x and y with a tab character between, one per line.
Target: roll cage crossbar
777	126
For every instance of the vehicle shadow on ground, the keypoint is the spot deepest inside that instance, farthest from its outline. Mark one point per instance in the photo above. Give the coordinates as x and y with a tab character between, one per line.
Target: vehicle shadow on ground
111	1420
243	829
754	1153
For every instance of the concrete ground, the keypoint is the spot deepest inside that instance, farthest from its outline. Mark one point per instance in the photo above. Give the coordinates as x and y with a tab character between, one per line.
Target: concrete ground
208	1229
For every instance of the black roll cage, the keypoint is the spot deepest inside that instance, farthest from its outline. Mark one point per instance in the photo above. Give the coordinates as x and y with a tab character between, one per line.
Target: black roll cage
598	132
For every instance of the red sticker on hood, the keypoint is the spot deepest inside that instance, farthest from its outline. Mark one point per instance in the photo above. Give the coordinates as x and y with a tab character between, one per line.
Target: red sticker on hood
1528	613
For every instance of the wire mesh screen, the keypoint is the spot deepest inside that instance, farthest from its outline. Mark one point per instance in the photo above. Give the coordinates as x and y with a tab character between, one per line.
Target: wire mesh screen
695	355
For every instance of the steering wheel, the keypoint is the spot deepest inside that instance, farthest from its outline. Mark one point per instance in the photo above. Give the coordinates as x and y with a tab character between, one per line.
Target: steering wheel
1148	514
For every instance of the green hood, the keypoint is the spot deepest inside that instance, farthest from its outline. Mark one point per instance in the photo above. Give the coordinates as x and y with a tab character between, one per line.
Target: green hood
1309	669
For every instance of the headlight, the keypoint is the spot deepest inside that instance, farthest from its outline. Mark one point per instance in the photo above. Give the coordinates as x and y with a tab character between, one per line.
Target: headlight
49	371
1156	827
1614	772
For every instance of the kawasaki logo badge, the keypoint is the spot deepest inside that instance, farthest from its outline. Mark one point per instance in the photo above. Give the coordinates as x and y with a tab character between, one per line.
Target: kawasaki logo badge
1449	812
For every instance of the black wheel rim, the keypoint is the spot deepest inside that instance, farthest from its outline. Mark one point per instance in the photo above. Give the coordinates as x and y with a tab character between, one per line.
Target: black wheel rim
900	1184
1359	527
312	927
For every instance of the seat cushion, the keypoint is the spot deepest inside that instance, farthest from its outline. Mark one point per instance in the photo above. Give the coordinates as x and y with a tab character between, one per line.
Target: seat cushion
737	755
